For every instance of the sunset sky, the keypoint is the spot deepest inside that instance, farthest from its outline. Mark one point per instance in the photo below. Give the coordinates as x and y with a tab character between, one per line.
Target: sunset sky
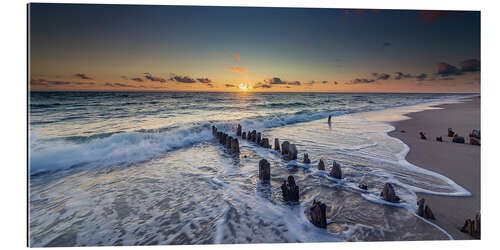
175	48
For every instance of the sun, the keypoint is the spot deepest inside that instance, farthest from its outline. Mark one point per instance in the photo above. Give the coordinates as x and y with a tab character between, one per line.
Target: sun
243	87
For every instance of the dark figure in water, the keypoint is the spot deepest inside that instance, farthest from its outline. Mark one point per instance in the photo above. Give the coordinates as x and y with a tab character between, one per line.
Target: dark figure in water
329	119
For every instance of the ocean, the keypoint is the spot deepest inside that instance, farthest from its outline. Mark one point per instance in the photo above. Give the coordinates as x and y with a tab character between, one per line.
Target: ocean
143	168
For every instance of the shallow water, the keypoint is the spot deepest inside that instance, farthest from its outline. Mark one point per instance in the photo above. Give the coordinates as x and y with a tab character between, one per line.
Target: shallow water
130	186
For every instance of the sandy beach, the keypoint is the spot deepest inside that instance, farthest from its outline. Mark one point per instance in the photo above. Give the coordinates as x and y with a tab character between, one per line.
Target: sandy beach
459	162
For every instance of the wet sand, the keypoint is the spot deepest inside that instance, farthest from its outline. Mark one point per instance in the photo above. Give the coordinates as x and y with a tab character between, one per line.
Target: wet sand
459	162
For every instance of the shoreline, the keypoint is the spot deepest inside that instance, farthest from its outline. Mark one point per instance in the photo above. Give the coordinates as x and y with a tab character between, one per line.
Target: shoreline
459	162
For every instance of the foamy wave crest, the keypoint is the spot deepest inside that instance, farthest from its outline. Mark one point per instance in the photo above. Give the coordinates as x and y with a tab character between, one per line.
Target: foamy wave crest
121	148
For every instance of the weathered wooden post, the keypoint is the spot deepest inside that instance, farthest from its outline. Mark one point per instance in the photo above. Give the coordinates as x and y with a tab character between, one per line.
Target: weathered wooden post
276	144
264	170
389	194
321	165
238	130
284	147
336	171
317	212
235	146
289	190
306	158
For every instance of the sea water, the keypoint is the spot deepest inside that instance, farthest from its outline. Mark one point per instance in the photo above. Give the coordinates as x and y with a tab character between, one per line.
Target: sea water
139	168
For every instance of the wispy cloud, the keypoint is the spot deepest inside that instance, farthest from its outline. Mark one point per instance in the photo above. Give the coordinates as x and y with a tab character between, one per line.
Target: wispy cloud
43	82
237	56
83	76
182	79
154	78
296	83
230	85
204	80
470	65
262	85
121	85
445	69
237	69
361	81
137	79
274	80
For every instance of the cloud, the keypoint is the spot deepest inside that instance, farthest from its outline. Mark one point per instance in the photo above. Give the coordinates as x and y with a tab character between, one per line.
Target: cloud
335	83
470	65
421	77
230	85
386	44
262	85
324	81
381	76
119	84
361	81
401	75
445	69
204	80
296	83
275	80
124	77
310	83
137	79
237	56
210	85
43	82
154	78
237	69
183	79
83	76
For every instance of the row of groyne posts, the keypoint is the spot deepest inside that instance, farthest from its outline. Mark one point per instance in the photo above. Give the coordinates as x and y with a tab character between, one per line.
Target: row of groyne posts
290	190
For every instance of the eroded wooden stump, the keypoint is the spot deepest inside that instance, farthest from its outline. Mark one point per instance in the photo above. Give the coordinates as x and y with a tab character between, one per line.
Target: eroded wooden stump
289	190
389	194
321	165
238	130
284	147
235	146
306	158
473	226
264	170
264	142
336	171
424	211
317	213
